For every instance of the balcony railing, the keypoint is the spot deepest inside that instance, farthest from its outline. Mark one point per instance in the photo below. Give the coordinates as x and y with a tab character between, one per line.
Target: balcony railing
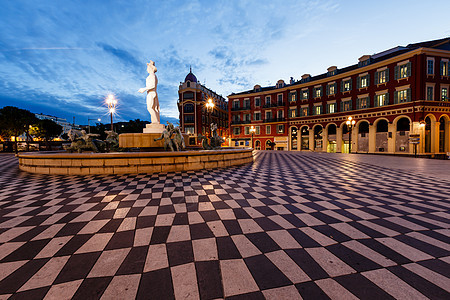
240	108
271	120
240	122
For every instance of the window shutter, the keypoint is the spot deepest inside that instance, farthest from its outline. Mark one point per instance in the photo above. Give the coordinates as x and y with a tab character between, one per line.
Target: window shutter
350	106
396	73
395	97
358	103
350	84
408	95
386	101
375	80
358	82
368	79
442	68
342	86
375	101
408	71
335	88
387	75
368	102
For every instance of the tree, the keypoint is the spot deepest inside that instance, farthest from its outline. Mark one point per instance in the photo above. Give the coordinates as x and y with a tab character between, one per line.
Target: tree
47	129
15	121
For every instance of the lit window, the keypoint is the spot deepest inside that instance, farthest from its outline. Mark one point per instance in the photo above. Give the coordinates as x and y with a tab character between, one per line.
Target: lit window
331	89
430	93
444	94
292	112
346	85
189	129
363	103
382	76
331	108
317	92
293	96
304	111
280	128
403	71
363	81
346	105
318	109
305	95
430	67
444	68
381	100
403	96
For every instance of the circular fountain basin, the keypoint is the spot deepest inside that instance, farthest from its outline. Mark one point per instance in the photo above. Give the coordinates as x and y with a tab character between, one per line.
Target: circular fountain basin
132	162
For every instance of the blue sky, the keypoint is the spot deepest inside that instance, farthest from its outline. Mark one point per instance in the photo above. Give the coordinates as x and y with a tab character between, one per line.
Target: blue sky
63	57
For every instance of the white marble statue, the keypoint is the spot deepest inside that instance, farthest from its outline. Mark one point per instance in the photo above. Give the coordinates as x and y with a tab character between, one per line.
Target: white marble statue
152	96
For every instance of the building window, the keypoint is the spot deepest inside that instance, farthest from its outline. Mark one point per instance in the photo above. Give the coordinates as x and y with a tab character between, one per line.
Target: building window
257	116
362	81
444	94
280	99
346	85
403	71
247	117
237	130
188	118
292	112
305	95
189	108
381	100
317	92
189	129
280	114
280	128
304	111
268	100
430	67
382	76
247	103
268	116
257	130
346	105
362	103
331	89
258	101
246	130
268	129
317	110
430	93
444	68
292	96
236	104
402	96
331	108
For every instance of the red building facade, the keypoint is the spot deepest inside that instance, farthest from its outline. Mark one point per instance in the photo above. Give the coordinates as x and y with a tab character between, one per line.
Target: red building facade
195	117
397	98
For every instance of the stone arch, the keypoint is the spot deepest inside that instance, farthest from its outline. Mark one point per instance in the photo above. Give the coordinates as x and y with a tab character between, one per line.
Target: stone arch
257	145
331	131
362	128
318	136
293	138
268	145
444	136
402	127
381	126
304	137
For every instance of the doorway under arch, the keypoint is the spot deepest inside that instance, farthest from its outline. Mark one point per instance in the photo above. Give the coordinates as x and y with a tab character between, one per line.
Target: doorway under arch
363	137
304	132
318	134
381	137
402	135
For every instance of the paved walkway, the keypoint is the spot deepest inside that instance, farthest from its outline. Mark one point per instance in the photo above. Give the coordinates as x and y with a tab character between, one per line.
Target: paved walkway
290	225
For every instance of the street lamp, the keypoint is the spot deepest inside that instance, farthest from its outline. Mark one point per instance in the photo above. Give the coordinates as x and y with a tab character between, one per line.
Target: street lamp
252	130
89	123
350	123
209	108
111	101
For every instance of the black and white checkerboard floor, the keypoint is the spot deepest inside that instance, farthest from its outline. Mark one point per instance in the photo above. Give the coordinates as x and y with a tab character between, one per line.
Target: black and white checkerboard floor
289	225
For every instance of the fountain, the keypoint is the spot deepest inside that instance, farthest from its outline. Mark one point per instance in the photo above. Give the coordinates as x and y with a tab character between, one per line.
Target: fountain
154	137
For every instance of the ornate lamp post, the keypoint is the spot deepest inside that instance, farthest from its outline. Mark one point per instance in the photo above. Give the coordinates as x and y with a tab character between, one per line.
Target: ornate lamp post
89	123
209	108
112	102
350	123
252	130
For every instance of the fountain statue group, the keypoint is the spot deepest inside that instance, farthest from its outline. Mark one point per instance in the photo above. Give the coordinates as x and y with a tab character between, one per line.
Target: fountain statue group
173	143
82	141
215	140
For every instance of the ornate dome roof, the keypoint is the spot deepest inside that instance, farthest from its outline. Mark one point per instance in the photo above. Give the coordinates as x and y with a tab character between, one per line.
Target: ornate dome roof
190	77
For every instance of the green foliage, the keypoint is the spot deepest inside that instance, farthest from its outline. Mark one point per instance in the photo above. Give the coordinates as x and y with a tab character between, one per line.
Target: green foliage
47	129
15	121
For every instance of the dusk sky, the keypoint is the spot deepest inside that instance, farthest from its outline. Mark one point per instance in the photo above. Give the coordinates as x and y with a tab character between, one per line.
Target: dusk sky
63	57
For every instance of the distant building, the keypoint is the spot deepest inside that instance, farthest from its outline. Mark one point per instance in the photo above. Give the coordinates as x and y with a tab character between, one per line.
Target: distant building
61	121
397	97
194	116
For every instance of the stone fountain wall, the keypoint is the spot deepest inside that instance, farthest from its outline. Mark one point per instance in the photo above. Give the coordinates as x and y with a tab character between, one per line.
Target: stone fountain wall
132	163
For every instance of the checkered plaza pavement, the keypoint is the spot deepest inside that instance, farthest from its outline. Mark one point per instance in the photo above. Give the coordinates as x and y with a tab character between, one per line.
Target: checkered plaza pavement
289	226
